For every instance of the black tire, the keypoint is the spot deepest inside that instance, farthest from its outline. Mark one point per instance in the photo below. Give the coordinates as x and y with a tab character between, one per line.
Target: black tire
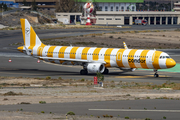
156	75
83	72
106	71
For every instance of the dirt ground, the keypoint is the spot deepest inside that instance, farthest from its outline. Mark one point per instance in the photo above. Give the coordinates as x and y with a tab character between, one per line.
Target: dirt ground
19	115
35	91
32	91
134	40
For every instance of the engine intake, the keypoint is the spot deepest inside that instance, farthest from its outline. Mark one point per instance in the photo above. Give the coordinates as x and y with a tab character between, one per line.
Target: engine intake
95	67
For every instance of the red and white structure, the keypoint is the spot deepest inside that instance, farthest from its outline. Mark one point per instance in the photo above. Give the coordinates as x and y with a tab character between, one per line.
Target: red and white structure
10	60
38	61
88	8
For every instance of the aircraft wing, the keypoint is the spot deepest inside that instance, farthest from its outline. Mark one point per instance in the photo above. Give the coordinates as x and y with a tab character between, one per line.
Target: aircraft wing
73	60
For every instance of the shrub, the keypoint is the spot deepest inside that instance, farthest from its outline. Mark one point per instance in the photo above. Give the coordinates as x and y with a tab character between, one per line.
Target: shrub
126	117
148	98
100	76
148	119
164	117
110	36
70	113
42	102
82	80
42	112
48	78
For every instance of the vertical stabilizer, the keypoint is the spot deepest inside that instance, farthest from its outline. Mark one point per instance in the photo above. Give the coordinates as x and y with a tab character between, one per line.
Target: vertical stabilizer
29	35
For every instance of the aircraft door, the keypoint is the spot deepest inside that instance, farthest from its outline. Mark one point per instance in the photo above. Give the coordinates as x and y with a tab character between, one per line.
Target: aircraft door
151	59
119	56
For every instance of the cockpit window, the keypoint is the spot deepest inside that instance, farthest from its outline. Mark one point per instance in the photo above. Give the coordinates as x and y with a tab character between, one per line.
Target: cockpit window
163	57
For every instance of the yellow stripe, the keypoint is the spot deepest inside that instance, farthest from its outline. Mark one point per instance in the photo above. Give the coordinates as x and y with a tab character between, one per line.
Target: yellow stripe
50	51
84	53
23	29
61	52
95	53
119	63
144	53
156	60
131	54
32	39
107	57
40	49
73	51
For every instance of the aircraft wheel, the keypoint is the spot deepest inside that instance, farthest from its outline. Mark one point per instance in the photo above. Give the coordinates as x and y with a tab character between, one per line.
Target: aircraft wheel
83	72
106	71
156	75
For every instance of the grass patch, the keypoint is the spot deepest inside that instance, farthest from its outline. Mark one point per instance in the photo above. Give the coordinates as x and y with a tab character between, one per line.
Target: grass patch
172	85
107	116
11	93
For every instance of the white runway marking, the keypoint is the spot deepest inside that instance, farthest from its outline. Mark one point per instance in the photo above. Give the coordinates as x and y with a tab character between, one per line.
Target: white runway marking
134	110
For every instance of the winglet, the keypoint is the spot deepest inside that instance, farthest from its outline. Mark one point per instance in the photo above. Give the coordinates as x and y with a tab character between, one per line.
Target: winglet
125	46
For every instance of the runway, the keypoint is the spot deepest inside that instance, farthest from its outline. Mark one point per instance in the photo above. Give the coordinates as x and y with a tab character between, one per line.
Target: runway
140	109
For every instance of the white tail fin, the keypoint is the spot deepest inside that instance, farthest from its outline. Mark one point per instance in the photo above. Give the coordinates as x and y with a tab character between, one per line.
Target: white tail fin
29	35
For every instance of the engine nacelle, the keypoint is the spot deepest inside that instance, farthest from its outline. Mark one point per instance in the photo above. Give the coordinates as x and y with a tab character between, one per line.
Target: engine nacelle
95	67
128	69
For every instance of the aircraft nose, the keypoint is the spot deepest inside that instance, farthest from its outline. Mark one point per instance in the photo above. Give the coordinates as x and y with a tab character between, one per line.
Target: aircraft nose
170	63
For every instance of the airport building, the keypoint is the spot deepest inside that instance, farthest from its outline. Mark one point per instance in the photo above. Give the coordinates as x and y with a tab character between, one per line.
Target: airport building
128	18
177	6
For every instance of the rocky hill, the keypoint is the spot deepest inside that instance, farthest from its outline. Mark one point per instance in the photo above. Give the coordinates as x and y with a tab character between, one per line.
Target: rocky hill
13	19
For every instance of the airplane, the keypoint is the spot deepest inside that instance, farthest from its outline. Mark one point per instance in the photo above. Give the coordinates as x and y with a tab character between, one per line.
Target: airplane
93	59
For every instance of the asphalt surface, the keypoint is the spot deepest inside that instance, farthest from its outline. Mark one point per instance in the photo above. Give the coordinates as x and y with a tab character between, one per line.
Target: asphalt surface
153	109
28	67
25	66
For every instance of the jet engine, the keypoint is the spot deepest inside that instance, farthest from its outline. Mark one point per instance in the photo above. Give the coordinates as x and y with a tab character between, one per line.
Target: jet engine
95	67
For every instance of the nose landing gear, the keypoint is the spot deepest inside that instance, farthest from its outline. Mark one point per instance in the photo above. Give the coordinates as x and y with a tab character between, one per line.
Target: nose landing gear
156	74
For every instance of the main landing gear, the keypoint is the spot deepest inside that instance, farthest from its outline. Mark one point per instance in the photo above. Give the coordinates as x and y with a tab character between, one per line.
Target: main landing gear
84	72
156	74
106	71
